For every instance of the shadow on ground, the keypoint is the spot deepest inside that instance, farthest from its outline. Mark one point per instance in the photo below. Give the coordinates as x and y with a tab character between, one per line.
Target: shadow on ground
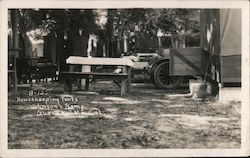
99	118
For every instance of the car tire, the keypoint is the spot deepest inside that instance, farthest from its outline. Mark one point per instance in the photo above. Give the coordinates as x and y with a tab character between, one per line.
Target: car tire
162	79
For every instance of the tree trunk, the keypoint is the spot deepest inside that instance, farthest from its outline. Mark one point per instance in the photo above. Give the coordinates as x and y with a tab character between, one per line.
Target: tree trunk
53	49
84	44
50	48
107	48
76	42
79	43
178	41
110	35
125	44
60	53
118	51
119	47
15	22
99	52
46	47
27	45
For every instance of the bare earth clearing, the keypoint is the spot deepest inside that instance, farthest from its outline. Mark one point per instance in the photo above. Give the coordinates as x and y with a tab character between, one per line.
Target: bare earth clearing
147	118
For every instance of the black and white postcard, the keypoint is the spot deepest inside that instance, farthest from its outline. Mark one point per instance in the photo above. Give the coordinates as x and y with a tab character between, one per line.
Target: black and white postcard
124	78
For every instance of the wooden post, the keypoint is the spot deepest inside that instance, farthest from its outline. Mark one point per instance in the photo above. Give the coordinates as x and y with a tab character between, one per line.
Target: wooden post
53	49
124	82
159	43
13	55
87	84
85	81
129	79
15	75
125	45
68	85
69	81
15	22
118	54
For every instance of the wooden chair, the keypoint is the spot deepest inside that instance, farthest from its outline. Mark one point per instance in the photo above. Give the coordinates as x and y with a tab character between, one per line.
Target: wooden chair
12	74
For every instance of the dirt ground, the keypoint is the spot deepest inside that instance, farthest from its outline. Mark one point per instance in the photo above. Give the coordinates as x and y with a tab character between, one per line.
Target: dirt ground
146	118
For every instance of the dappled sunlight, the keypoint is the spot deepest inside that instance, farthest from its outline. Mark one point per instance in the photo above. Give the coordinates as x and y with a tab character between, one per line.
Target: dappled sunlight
105	82
145	118
66	95
132	112
159	105
112	110
29	116
172	96
92	113
132	119
142	120
160	100
166	125
194	121
101	102
85	93
177	106
118	100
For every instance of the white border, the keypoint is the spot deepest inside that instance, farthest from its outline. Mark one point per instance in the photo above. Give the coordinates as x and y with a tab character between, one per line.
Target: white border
243	151
124	4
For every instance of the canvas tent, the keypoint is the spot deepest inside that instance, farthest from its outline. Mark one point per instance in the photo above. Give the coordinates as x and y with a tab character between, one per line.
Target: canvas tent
221	39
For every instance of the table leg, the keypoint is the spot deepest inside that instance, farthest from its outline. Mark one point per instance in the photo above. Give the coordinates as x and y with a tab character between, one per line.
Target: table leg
70	80
68	85
123	88
87	84
129	80
79	84
124	82
15	75
85	80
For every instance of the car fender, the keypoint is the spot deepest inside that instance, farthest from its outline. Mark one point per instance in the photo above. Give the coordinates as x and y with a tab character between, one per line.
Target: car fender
154	64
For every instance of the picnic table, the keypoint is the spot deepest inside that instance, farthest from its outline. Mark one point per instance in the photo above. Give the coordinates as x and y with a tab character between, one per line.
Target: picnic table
124	77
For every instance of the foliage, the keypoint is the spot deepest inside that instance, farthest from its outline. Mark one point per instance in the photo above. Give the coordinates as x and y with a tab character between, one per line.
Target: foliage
52	20
145	23
139	25
176	23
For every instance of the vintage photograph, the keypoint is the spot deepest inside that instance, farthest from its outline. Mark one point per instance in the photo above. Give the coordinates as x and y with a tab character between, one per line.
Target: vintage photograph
124	78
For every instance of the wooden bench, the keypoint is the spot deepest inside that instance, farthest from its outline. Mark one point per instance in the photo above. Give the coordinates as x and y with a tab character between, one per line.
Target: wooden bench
124	77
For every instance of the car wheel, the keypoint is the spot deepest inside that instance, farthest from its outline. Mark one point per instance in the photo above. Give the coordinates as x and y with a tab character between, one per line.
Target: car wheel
162	79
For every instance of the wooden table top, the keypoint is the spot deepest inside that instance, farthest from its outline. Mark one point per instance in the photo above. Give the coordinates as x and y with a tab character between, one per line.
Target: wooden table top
99	61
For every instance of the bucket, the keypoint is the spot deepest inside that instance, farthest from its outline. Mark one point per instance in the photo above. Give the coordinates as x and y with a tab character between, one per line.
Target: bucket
198	88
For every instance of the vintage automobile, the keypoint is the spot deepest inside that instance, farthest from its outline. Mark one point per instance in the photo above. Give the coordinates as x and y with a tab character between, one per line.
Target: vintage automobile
158	70
154	67
169	68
